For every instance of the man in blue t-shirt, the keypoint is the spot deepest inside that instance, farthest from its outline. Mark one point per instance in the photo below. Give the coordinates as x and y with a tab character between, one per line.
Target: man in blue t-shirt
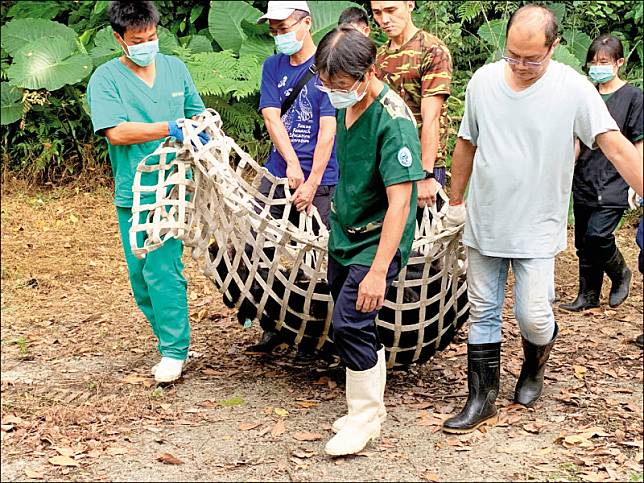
303	138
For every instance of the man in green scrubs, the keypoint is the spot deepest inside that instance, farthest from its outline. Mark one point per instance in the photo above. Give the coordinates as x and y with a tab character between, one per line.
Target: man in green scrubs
136	101
372	221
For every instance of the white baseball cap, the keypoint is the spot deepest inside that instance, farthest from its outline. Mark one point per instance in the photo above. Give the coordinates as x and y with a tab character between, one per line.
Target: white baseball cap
280	10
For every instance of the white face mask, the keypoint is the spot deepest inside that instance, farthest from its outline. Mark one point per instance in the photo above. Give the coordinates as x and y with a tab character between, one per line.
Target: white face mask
344	100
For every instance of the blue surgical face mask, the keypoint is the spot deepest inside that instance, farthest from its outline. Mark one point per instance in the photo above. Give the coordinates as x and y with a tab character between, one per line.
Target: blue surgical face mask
344	100
143	54
601	73
288	44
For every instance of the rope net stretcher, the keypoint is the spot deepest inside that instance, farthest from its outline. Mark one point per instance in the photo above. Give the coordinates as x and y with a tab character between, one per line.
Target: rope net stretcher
269	260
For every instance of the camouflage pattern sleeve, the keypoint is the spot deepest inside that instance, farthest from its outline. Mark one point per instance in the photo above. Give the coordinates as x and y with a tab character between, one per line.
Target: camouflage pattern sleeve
436	69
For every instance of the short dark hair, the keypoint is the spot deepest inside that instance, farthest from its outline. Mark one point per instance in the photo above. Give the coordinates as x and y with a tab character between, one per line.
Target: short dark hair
551	26
353	15
134	15
344	50
605	44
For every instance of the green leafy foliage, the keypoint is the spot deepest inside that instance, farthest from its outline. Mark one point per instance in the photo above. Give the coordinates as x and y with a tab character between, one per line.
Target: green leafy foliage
562	54
49	63
493	34
324	16
46	127
10	104
225	19
577	42
19	32
37	9
105	47
200	43
223	73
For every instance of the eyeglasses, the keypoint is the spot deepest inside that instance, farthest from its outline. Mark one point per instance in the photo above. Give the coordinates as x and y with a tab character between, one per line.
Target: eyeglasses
529	64
284	30
327	90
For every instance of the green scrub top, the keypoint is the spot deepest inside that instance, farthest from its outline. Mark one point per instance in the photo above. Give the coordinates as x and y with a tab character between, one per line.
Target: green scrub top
115	95
380	149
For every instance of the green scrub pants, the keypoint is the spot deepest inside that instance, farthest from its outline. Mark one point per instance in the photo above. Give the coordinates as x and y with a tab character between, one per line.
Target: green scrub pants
159	289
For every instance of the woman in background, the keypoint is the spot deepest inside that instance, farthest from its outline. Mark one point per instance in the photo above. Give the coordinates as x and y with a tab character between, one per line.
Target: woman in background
600	194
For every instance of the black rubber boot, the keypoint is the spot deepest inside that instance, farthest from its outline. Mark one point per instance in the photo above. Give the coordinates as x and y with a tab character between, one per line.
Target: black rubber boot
620	275
483	373
590	286
530	383
270	340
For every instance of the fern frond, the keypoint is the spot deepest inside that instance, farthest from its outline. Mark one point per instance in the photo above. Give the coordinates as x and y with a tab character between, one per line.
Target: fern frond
223	73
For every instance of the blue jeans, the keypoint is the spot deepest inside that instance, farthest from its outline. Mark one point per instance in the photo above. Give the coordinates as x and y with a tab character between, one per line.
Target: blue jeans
533	294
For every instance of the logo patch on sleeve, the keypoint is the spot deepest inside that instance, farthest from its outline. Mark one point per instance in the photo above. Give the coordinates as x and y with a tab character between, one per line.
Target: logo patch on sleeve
404	157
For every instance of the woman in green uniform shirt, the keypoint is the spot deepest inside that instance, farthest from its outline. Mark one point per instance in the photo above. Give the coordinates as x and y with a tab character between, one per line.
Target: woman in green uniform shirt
372	223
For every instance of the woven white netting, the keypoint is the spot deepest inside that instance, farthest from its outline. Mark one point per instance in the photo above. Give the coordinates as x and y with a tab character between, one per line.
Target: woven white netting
269	260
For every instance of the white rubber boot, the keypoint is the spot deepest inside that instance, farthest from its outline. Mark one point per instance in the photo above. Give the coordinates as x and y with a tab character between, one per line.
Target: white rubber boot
382	411
362	424
168	370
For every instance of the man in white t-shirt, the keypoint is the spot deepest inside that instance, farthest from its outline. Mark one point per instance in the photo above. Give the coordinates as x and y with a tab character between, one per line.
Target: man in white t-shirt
516	147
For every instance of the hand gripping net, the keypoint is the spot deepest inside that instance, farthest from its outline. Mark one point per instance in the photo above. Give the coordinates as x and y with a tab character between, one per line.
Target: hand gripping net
269	260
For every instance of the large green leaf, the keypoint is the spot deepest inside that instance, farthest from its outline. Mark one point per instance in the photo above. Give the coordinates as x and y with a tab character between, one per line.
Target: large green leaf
493	34
200	43
324	15
259	47
36	9
19	32
224	22
563	55
10	103
50	64
559	9
105	46
257	42
167	41
4	63
577	42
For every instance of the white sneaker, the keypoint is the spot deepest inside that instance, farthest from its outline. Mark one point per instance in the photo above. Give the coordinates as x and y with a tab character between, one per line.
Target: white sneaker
168	369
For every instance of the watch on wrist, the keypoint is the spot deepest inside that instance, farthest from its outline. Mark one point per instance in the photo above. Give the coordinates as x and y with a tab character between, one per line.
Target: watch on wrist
429	174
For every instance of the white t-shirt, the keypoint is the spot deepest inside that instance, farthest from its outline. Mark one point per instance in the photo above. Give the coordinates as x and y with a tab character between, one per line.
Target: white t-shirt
519	191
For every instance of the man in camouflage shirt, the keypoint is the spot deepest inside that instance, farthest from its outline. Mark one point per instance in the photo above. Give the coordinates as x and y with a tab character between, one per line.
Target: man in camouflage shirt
418	67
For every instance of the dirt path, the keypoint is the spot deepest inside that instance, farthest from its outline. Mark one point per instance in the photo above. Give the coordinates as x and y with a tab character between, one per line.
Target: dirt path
78	402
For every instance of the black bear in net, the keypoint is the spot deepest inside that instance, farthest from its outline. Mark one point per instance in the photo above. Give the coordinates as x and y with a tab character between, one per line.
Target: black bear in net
412	333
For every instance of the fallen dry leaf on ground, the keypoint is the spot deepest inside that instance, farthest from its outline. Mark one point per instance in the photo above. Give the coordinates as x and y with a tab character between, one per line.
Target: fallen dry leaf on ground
34	474
304	436
249	426
169	459
116	450
302	453
279	428
63	461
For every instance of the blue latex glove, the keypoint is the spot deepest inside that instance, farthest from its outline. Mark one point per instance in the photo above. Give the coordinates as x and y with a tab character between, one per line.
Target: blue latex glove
176	132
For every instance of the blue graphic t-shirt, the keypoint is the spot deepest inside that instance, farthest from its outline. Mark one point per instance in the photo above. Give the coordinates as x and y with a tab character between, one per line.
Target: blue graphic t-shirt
302	120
